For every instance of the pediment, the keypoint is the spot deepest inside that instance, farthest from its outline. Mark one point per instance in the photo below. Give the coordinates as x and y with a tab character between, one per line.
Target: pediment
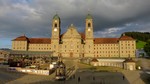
71	33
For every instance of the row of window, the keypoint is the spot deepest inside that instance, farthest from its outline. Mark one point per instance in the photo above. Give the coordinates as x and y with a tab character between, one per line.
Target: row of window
77	51
40	45
127	41
113	52
19	43
41	48
19	48
113	48
77	47
106	45
128	44
108	55
68	46
32	48
106	48
127	48
106	52
127	51
112	45
105	56
70	51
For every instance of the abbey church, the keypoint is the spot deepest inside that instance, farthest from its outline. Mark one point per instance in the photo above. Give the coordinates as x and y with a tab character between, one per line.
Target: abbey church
72	43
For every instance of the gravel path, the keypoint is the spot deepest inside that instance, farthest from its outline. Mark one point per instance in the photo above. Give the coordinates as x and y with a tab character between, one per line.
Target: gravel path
145	63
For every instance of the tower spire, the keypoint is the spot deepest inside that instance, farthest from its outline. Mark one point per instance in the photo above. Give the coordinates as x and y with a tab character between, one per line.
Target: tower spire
88	11
56	12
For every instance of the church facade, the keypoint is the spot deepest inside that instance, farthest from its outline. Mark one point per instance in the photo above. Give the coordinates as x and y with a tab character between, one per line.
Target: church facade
75	44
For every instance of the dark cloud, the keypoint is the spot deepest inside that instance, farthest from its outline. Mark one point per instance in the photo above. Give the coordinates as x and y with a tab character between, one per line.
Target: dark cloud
111	17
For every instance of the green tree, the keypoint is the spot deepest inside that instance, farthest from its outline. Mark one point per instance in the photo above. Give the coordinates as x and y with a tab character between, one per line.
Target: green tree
142	36
147	48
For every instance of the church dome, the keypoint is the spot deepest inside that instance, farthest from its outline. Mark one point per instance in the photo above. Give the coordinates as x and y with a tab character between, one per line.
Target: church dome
89	16
56	17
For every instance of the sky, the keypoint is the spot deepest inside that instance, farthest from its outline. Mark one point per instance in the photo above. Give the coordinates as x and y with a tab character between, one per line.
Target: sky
33	18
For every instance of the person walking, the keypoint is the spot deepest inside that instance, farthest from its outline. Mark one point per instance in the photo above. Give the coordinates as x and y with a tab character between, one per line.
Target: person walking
79	79
93	78
123	77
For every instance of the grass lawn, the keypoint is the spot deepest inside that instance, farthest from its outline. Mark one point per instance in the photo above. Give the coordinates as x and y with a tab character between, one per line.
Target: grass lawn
140	44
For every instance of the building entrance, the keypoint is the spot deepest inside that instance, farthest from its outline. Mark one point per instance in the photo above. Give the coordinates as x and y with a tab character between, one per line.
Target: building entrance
71	54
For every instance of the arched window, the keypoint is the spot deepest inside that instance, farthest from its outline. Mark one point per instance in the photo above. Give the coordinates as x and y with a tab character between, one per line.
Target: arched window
89	25
55	24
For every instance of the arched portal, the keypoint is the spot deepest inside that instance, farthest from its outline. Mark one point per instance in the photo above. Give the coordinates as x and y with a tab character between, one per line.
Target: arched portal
71	54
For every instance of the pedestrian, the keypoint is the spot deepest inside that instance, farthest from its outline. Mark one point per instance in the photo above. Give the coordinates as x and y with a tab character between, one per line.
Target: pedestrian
123	77
78	79
93	78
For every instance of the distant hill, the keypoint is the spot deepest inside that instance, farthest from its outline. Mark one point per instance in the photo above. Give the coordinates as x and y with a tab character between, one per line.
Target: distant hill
5	49
141	36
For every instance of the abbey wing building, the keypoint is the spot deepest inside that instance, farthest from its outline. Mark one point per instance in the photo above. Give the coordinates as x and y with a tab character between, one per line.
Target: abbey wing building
75	44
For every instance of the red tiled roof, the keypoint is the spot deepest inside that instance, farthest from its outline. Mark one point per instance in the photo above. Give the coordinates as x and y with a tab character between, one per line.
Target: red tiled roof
125	38
82	35
21	38
40	40
105	40
94	60
96	40
129	60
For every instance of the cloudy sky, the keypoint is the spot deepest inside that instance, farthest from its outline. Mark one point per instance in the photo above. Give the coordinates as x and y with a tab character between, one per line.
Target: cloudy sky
33	17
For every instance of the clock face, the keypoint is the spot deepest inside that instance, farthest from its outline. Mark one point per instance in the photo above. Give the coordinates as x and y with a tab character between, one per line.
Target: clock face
89	29
55	29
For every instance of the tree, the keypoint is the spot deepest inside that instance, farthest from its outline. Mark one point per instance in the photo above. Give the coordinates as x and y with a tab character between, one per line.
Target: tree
147	48
142	36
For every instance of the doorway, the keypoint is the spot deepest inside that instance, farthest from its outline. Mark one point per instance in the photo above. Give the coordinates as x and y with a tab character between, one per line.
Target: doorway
71	54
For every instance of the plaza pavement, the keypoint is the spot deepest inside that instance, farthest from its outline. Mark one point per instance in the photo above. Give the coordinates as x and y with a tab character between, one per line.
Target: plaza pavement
86	77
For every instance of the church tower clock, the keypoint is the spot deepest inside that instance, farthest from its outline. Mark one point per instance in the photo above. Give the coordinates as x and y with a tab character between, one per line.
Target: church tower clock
89	44
55	35
89	27
56	27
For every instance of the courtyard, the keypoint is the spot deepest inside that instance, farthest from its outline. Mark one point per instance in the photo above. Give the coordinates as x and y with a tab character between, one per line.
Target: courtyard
84	74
